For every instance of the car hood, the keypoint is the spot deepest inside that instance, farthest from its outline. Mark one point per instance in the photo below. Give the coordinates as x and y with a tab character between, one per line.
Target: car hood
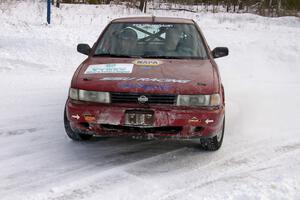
161	76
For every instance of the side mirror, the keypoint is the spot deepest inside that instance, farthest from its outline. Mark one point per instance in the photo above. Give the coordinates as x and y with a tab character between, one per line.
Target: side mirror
220	52
84	49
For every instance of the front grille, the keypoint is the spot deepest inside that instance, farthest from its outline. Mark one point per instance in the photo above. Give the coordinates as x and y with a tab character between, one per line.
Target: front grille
146	130
120	97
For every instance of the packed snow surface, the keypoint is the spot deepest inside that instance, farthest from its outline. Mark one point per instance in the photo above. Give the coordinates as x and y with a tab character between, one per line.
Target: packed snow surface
260	156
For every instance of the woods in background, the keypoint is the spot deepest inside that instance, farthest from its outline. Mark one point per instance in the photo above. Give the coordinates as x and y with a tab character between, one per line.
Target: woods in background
261	7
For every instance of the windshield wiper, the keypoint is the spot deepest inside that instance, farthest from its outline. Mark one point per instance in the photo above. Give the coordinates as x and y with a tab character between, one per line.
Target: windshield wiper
172	57
144	56
115	55
162	57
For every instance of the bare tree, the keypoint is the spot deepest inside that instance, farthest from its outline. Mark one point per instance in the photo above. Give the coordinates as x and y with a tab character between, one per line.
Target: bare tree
143	5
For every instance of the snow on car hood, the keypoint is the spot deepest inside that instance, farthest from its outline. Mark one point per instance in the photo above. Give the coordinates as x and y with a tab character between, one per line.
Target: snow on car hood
188	76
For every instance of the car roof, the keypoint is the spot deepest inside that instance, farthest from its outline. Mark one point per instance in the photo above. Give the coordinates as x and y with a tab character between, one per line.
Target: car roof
153	19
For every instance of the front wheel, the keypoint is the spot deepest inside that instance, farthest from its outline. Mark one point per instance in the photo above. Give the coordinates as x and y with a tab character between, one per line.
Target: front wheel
214	143
74	135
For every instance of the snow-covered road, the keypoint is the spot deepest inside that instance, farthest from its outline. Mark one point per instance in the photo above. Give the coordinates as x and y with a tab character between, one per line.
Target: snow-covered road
259	158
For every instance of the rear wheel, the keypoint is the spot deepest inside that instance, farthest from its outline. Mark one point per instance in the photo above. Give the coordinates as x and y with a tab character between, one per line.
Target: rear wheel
74	135
214	143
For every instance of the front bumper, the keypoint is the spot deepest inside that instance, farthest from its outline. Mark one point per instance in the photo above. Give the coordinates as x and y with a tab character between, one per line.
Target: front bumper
169	120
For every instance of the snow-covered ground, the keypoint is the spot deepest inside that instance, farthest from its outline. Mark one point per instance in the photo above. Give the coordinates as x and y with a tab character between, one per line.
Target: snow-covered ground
260	156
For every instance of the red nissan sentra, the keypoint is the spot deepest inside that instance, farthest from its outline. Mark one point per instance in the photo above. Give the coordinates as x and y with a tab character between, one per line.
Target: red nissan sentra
148	76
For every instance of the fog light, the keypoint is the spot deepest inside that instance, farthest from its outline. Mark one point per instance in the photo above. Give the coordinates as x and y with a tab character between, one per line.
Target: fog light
89	118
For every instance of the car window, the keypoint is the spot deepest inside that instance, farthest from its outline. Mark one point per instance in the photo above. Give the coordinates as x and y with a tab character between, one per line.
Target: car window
151	40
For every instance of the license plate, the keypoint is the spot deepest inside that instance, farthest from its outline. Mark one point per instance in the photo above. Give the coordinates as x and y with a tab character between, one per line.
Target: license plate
139	118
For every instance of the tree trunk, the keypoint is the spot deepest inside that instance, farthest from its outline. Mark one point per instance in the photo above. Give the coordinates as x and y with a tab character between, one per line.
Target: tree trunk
227	6
241	6
262	8
142	4
145	6
279	8
57	3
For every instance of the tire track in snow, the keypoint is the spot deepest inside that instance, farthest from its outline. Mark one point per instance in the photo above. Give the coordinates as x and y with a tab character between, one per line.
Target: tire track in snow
237	160
236	169
18	132
113	156
85	190
240	166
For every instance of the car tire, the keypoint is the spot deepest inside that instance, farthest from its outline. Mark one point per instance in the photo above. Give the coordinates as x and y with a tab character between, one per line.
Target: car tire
74	135
214	143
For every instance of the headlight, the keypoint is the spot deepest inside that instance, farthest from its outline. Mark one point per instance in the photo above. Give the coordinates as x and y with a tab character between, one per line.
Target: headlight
198	100
73	94
92	96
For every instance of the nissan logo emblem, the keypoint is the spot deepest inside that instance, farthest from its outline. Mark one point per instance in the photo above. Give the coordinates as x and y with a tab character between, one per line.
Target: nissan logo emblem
143	99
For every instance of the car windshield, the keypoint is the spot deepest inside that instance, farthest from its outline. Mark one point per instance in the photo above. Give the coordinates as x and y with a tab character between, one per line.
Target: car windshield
154	40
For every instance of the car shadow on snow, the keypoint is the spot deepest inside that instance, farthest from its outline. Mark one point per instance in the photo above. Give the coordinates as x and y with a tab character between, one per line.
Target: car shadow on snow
114	152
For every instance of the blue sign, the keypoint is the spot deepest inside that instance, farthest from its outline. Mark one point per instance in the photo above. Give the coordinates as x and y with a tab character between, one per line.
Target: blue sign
48	11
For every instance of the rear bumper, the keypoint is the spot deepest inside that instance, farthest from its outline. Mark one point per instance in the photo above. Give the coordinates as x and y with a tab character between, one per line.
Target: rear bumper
169	121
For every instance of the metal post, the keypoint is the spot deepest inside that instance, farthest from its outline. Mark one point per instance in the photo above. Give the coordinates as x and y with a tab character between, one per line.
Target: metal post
48	11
